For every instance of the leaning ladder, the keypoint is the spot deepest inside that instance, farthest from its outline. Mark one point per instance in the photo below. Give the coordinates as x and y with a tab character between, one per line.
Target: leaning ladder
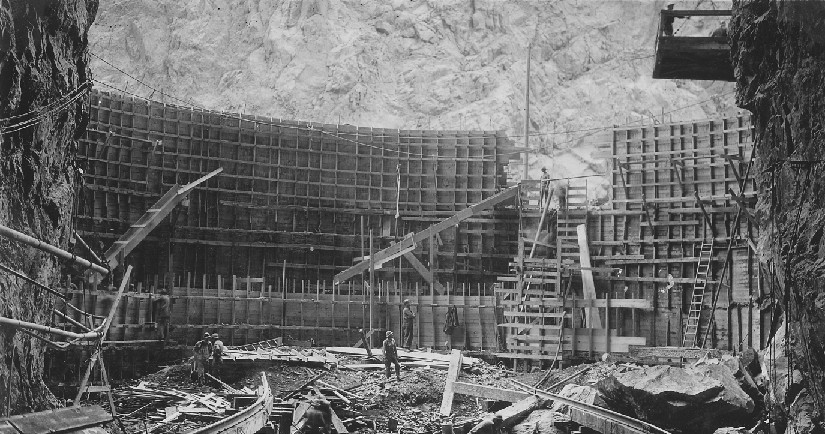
697	299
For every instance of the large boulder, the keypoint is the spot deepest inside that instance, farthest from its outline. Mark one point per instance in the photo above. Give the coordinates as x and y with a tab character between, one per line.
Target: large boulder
704	398
737	369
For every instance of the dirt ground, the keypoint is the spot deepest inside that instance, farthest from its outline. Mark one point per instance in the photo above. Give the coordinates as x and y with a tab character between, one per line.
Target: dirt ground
413	402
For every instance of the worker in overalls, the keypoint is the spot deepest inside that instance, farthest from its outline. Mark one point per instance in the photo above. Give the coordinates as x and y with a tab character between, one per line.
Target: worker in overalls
390	349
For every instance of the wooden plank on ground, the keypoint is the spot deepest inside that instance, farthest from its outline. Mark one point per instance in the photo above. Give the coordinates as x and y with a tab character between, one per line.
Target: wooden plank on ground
61	419
452	376
336	422
488	392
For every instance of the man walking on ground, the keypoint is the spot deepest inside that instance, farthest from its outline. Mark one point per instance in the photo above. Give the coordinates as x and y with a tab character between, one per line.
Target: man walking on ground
203	349
407	317
217	355
390	350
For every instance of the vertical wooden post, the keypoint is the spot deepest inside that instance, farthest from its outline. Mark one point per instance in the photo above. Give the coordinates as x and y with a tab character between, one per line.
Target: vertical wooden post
417	316
317	311
372	284
283	300
607	323
527	113
332	308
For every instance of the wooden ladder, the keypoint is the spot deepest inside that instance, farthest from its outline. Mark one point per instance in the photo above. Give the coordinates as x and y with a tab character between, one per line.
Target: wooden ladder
691	329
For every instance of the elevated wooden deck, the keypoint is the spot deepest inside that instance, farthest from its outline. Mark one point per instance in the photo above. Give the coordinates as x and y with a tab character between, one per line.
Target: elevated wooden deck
692	57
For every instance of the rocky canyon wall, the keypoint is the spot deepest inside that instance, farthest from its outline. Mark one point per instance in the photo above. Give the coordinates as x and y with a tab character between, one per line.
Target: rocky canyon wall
43	67
413	64
779	57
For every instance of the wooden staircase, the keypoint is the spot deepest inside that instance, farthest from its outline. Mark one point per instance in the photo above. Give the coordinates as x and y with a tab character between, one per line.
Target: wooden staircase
691	329
532	316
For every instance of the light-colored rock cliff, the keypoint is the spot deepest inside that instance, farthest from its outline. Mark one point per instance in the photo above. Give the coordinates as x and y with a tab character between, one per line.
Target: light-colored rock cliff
429	64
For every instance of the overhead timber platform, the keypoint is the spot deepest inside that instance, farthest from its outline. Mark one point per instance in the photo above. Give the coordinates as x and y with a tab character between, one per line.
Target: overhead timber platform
691	57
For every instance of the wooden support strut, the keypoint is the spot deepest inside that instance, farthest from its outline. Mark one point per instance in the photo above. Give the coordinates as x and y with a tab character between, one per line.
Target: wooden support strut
48	248
423	271
398	249
148	221
696	195
644	198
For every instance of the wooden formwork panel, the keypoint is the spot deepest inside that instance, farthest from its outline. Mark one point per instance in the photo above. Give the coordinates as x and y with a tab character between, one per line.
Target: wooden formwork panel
654	226
279	175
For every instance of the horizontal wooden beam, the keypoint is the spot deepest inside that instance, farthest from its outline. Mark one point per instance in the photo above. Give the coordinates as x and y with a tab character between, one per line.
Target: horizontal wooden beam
488	392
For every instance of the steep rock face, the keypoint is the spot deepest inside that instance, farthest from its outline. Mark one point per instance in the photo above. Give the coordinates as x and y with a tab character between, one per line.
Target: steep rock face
779	57
42	61
419	64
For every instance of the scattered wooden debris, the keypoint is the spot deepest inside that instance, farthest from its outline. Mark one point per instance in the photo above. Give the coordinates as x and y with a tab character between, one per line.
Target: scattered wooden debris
266	352
419	358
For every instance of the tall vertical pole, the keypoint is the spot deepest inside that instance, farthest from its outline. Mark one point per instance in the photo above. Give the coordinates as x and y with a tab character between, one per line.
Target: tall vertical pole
372	282
527	111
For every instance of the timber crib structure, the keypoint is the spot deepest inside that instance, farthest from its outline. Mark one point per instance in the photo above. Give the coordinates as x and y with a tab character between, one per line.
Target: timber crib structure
275	245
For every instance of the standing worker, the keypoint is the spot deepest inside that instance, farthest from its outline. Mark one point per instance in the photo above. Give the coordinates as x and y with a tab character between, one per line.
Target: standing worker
407	317
545	188
217	355
203	349
390	350
163	314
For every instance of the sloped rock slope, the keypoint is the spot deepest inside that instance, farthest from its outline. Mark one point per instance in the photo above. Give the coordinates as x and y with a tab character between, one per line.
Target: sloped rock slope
43	58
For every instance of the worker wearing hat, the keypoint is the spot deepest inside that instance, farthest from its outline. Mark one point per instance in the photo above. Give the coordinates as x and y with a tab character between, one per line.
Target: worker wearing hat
390	349
203	350
217	355
544	185
407	317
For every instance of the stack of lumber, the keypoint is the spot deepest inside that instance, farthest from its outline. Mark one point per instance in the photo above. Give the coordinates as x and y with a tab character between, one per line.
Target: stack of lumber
408	358
267	352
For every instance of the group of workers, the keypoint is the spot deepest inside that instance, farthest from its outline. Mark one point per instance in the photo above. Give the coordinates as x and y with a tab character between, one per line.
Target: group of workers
208	356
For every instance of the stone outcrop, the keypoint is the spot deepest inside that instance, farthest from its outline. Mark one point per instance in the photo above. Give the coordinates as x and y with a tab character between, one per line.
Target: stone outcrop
778	52
43	60
706	398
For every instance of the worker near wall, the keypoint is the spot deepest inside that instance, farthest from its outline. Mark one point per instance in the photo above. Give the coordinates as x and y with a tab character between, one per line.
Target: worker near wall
407	317
163	313
217	355
562	192
390	349
203	350
317	419
488	426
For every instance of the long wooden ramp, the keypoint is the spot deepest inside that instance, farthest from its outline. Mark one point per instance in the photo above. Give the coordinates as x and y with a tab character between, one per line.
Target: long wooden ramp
408	243
153	216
